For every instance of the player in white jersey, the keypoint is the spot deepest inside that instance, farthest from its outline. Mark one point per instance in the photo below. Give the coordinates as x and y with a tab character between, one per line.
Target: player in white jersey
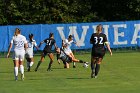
66	45
29	52
20	45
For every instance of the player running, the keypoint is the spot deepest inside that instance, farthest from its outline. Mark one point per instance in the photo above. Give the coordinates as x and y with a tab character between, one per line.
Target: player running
98	40
29	52
20	45
47	51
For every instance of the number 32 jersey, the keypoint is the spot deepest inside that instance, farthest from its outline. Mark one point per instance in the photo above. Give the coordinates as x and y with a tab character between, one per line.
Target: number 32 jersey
98	40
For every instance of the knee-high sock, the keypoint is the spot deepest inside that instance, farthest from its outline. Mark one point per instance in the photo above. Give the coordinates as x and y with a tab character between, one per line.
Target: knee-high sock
39	62
92	66
97	69
50	64
22	69
16	71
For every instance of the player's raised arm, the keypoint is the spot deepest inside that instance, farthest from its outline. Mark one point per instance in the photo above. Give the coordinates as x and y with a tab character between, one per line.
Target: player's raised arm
41	43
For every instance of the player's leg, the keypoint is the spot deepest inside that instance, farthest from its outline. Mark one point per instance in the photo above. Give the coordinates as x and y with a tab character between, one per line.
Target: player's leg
67	65
74	65
41	60
16	65
31	59
97	68
31	63
27	60
58	58
51	61
21	60
93	62
28	63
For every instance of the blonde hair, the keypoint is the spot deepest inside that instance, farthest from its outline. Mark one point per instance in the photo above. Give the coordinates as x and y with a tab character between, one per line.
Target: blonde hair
97	29
17	31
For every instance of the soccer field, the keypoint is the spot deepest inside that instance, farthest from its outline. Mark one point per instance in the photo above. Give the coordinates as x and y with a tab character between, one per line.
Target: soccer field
118	74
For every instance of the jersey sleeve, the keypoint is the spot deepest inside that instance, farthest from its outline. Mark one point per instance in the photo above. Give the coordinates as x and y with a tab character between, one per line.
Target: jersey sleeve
25	41
105	38
12	40
34	42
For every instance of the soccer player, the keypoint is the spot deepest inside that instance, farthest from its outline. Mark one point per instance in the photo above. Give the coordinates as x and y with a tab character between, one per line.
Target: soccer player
67	59
66	45
29	52
20	45
47	51
99	40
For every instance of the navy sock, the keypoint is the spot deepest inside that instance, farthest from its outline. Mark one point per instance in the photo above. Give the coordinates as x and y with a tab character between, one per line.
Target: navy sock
39	62
97	68
92	66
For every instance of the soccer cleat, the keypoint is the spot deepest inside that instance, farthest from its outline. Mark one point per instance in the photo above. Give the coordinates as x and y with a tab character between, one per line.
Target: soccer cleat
28	69
95	76
74	66
22	76
16	78
92	74
35	69
49	69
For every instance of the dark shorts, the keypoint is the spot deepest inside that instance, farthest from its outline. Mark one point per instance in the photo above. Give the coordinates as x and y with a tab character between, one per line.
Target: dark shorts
66	59
98	52
46	52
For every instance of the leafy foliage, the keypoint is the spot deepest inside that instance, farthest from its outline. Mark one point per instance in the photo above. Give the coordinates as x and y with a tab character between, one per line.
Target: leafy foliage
67	11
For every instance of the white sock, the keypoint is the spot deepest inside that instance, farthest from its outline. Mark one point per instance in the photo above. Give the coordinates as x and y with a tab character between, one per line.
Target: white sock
22	69
31	64
16	71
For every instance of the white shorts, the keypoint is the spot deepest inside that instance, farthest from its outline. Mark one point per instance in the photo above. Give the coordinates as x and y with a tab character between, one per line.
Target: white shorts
29	55
68	51
19	55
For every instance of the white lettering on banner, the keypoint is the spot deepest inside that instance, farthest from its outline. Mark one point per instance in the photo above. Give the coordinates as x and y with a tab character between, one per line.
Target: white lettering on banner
106	31
117	34
73	31
94	27
135	36
60	31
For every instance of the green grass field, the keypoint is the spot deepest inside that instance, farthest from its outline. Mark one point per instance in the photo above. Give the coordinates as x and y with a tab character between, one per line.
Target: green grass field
119	74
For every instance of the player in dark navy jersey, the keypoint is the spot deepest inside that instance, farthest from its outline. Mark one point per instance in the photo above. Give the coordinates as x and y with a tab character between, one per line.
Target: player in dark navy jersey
99	40
47	50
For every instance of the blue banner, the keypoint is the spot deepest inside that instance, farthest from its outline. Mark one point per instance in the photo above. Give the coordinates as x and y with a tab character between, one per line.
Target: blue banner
119	34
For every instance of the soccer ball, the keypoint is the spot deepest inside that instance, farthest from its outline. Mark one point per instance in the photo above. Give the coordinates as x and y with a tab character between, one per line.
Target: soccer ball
85	65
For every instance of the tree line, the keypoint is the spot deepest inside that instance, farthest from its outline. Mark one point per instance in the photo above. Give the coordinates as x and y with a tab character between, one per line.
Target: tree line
18	12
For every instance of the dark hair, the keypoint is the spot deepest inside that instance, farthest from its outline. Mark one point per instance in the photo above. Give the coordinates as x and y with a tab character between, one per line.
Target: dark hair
70	36
17	31
30	36
50	35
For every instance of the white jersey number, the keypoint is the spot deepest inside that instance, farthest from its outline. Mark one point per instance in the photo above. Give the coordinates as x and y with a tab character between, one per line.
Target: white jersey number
19	44
98	40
